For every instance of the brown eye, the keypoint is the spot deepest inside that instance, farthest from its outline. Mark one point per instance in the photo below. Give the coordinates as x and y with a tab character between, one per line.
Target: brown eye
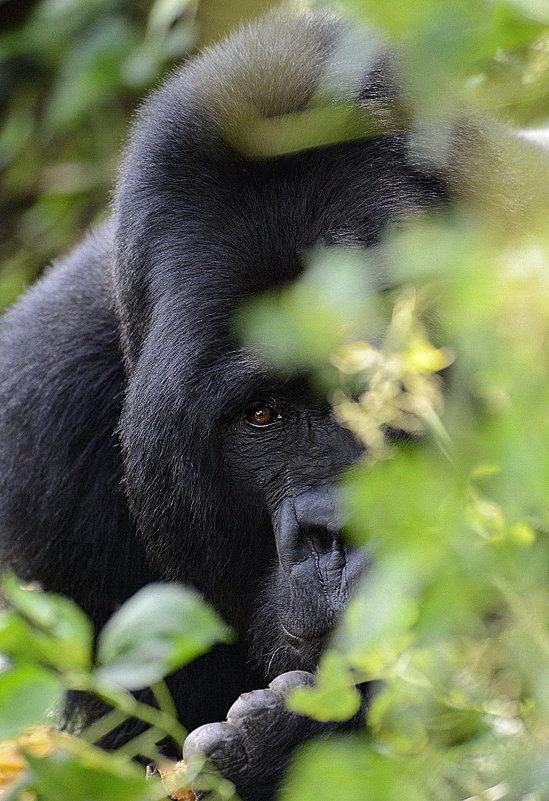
263	414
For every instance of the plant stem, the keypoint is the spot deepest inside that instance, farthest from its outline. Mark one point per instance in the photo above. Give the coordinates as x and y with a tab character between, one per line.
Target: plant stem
125	702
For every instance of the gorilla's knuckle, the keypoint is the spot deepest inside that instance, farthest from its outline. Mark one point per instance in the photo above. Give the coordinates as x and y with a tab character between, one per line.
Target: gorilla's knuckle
213	741
252	704
286	682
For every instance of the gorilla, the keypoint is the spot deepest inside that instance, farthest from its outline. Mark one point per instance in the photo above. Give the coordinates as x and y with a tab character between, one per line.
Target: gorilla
141	441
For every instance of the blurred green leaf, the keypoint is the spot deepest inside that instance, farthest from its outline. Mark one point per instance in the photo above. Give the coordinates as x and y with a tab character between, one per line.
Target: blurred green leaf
530	9
349	769
161	628
90	72
165	13
302	324
23	642
61	633
64	777
28	694
334	696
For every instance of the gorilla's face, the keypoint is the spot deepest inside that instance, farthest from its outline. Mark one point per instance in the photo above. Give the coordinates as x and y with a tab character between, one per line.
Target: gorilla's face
245	469
287	449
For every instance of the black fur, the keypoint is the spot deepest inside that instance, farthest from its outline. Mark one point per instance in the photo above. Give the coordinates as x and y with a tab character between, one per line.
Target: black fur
127	453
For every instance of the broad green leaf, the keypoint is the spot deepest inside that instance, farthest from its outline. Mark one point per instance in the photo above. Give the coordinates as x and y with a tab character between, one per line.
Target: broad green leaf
348	769
63	777
302	324
528	9
22	642
161	628
377	623
28	694
59	629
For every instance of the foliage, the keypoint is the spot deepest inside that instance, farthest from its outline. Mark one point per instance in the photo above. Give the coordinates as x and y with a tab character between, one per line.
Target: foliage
439	365
451	617
71	73
47	646
493	54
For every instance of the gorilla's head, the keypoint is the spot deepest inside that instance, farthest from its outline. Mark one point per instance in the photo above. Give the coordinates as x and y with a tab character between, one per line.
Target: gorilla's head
231	471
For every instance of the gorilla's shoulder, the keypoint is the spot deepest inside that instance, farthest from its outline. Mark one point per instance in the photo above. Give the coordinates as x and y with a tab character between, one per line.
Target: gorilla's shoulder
61	334
82	278
61	388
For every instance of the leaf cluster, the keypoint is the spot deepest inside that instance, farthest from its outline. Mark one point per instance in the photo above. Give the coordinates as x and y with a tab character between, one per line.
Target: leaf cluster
47	647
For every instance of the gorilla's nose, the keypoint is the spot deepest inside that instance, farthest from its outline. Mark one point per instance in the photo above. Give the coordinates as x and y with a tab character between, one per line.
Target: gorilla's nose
310	543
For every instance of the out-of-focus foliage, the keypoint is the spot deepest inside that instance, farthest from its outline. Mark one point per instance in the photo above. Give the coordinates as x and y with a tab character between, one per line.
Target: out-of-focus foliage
46	647
60	766
490	53
439	340
71	72
216	17
451	619
178	629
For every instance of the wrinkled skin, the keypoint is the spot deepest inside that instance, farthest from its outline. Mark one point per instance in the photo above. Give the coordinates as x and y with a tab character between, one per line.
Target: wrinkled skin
257	738
139	440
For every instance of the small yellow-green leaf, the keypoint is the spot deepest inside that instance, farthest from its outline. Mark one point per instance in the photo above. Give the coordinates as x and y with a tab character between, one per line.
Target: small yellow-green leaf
334	696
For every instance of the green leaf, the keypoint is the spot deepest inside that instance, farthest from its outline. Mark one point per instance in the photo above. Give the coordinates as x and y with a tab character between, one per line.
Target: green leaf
28	694
165	13
161	628
23	643
300	325
376	626
347	768
90	72
334	696
59	631
63	777
528	10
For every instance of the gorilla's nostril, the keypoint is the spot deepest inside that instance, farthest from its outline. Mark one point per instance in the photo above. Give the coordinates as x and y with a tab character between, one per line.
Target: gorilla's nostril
308	527
321	539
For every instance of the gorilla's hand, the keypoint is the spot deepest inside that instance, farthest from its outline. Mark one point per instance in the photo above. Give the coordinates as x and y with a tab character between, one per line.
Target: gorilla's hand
252	747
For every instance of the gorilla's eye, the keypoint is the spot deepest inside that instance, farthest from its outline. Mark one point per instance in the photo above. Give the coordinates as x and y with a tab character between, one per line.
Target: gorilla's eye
262	414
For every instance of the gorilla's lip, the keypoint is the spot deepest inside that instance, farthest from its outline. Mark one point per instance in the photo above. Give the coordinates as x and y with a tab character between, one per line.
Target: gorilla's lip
297	640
